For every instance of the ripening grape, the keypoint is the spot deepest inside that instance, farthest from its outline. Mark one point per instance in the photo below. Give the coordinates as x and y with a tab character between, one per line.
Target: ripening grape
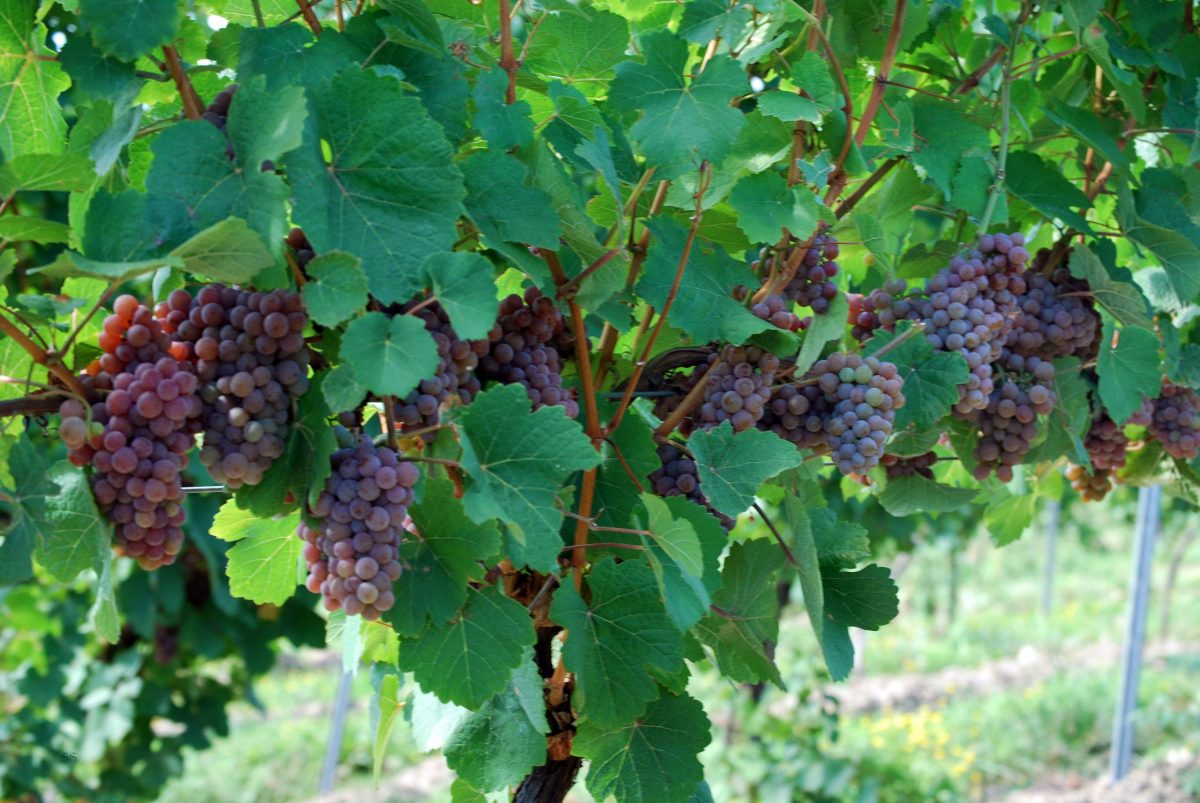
300	247
919	465
1091	487
523	352
1176	421
252	363
737	387
812	285
454	379
1106	446
864	395
353	551
139	433
798	413
1007	426
1057	317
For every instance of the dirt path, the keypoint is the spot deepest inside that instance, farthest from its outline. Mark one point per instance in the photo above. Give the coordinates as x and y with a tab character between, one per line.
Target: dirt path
1176	780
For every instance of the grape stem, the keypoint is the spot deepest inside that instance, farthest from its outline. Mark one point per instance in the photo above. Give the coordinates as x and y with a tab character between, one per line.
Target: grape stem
881	76
551	581
917	328
865	187
508	59
571	286
1005	122
297	274
66	346
309	17
603	545
689	403
787	552
625	465
29	405
193	108
42	357
441	461
640	365
389	415
258	15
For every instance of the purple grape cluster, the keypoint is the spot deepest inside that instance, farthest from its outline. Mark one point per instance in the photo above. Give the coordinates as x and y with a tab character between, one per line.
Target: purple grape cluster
1007	426
300	247
737	387
774	309
918	466
874	310
864	395
1058	318
353	551
522	351
678	477
217	113
454	379
1106	446
812	285
1176	421
798	413
250	357
139	435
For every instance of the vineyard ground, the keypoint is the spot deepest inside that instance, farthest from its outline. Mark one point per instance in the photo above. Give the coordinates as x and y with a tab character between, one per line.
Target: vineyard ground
1047	683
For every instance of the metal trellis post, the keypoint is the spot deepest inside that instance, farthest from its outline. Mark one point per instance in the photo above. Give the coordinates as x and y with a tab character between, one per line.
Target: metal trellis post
1143	552
333	750
1053	513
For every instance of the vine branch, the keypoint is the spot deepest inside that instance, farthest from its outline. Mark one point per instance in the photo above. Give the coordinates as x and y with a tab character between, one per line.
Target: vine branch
41	356
508	58
193	107
881	77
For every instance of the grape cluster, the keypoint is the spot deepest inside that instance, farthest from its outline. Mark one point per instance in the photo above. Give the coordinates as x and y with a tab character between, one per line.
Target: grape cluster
737	387
140	433
920	465
678	477
864	394
798	413
1007	426
874	310
1176	421
217	113
1106	446
250	357
353	552
812	286
774	310
297	242
522	350
454	377
1057	317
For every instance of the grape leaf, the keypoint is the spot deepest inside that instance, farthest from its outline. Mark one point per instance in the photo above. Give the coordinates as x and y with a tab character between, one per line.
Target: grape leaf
682	122
930	377
1129	371
1090	129
675	538
229	251
129	29
866	598
383	147
744	626
90	70
438	560
104	617
264	125
688	596
34	230
1030	178
31	118
517	461
462	283
472	658
824	328
386	707
789	106
653	759
838	650
796	521
904	496
503	125
337	288
1008	515
619	634
262	564
838	542
500	743
1070	418
949	140
25	502
628	450
1122	300
704	306
57	173
70	263
766	206
76	537
578	46
302	468
342	390
389	356
732	466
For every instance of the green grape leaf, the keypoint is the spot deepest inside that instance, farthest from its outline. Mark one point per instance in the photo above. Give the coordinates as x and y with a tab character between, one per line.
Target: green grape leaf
518	461
33	230
744	626
25	501
104	616
229	251
129	29
676	538
386	707
688	596
76	537
766	206
628	450
92	71
342	390
617	637
838	542
1030	178
1070	418
262	564
439	559
337	288
866	598
653	758
462	283
789	107
389	355
383	147
500	743
578	46
31	118
1130	369
472	658
504	206
70	263
264	125
797	522
704	306
1122	300
503	125
930	377
1090	129
904	496
838	650
732	466
1007	515
949	140
302	468
57	173
824	328
683	122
